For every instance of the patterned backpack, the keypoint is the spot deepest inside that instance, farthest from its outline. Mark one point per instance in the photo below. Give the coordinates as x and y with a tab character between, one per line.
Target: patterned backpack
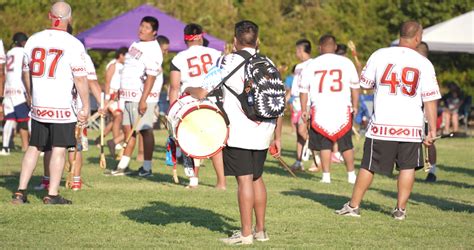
263	97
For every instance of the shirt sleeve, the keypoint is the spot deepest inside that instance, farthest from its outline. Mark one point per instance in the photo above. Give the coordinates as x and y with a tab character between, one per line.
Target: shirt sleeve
353	76
215	75
2	53
78	60
303	80
429	84
369	73
91	75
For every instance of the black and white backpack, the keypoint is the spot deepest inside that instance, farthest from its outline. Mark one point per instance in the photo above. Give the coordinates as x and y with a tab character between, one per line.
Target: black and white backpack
263	96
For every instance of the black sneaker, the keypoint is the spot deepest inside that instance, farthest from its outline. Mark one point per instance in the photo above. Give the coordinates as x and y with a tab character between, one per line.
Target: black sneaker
430	177
19	198
144	173
56	200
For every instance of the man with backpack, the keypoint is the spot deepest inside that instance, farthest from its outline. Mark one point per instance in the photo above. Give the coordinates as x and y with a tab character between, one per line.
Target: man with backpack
254	99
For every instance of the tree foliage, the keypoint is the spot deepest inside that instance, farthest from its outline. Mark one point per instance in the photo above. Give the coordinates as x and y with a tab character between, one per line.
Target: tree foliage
371	24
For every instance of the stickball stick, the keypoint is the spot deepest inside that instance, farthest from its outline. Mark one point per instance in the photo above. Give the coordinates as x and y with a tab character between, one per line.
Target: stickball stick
102	161
273	150
72	167
129	136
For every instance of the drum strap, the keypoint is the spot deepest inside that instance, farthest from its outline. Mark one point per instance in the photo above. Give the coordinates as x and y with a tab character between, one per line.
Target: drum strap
217	91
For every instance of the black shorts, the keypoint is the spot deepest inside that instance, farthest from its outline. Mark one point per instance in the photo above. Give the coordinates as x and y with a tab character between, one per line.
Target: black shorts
319	142
44	136
380	156
238	162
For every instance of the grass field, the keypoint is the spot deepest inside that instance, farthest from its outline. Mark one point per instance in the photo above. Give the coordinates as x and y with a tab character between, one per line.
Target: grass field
133	212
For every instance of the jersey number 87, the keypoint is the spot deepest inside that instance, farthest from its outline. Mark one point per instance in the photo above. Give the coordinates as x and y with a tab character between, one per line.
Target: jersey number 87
38	56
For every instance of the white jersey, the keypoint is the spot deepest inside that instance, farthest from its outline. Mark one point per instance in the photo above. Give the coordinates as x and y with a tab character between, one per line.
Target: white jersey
2	53
328	80
244	133
14	87
296	85
142	59
91	76
115	81
54	58
403	79
194	63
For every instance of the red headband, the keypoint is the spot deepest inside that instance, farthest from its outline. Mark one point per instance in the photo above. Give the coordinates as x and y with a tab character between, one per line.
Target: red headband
193	37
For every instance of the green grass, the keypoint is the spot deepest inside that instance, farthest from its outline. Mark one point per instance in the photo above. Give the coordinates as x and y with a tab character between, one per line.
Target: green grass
132	212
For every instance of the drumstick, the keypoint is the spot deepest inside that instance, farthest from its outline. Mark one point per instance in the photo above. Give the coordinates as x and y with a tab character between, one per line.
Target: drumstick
72	168
273	150
129	136
352	47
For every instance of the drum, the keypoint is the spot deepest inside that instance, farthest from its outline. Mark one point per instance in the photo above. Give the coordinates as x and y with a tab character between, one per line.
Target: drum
198	126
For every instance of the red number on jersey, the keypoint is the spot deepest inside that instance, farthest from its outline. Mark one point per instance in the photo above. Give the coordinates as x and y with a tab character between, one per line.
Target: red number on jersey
37	61
10	61
337	79
199	67
409	78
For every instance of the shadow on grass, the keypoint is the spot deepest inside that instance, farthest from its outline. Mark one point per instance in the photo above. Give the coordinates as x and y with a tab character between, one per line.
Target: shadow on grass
161	214
443	204
458	170
10	182
447	183
333	201
280	170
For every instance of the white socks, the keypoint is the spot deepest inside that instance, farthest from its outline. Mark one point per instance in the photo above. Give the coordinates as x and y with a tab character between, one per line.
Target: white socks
7	132
124	161
433	169
351	177
326	178
193	181
147	165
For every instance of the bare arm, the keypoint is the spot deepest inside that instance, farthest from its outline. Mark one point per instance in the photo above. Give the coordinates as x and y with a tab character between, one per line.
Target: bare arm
108	78
196	92
2	90
430	113
175	82
304	104
149	82
355	99
83	89
95	89
276	144
26	77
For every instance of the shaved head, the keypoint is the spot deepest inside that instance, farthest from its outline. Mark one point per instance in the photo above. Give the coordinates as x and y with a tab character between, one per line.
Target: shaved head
410	29
327	44
61	10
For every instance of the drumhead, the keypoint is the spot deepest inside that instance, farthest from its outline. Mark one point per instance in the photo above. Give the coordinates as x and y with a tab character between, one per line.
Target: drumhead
202	132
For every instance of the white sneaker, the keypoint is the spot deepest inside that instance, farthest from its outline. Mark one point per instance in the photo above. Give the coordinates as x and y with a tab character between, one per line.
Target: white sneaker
260	236
326	180
238	239
5	151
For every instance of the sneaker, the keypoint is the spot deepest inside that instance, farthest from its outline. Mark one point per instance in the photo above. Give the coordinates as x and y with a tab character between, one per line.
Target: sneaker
399	214
347	210
297	167
120	171
260	236
5	152
144	173
325	180
42	186
56	200
238	239
77	185
19	197
430	177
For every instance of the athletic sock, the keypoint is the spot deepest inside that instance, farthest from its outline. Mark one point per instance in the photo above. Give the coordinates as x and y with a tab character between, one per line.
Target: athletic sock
7	132
193	181
76	179
147	165
433	169
338	155
351	173
124	161
327	176
298	163
118	146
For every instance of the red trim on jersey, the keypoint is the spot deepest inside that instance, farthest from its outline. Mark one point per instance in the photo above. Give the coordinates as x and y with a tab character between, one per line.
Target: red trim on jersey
18	119
333	137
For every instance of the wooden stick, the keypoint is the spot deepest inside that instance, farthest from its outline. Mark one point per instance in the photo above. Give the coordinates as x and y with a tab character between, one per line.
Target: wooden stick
129	136
102	161
72	168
